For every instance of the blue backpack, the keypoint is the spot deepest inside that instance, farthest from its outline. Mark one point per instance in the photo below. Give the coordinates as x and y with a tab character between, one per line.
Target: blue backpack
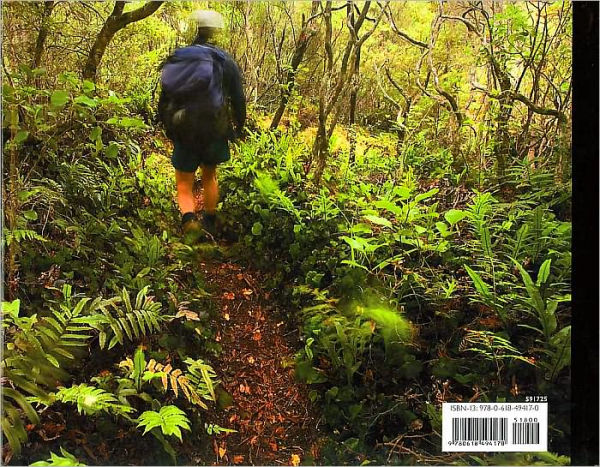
192	104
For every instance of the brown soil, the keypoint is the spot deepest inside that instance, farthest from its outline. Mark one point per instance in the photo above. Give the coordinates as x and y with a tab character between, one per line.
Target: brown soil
270	409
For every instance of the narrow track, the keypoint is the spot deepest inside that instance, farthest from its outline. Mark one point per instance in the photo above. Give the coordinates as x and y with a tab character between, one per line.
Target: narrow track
259	397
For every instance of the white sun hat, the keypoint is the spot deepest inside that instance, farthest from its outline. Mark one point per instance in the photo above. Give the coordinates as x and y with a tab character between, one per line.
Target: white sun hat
208	19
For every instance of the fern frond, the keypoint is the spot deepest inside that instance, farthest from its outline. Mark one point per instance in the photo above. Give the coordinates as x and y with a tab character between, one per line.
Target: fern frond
18	235
203	376
176	380
91	400
170	419
55	460
130	320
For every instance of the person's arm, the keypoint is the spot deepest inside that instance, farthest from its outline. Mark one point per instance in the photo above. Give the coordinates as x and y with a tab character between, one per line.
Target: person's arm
236	93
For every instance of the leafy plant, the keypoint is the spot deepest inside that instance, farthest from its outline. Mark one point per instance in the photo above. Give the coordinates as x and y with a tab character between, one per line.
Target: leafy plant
91	400
213	429
195	385
136	319
170	419
33	362
492	346
55	460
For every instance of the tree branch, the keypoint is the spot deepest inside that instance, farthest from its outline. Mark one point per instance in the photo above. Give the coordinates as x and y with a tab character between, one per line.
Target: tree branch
142	12
403	35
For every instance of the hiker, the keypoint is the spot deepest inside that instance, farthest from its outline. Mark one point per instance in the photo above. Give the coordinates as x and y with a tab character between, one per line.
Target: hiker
203	107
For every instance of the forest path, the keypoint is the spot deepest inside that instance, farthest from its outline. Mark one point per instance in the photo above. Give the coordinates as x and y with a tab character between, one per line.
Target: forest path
259	395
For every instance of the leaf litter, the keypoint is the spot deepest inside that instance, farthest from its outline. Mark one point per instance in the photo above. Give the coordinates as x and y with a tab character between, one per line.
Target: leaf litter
275	421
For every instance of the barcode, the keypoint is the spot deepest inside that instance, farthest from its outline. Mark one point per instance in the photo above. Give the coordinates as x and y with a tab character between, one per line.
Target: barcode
494	427
526	433
480	429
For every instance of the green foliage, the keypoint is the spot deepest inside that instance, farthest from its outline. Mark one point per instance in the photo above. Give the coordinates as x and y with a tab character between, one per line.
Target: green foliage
40	350
91	400
395	329
492	346
130	320
213	429
55	460
203	376
89	204
170	419
526	458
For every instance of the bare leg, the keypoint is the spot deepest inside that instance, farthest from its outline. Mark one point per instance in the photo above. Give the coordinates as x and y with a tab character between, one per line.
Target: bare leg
210	188
185	194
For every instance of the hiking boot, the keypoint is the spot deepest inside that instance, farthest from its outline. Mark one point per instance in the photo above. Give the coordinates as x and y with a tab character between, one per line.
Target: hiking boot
209	224
192	230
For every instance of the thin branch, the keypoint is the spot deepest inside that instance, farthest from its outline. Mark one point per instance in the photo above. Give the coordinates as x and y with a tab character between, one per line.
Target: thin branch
402	34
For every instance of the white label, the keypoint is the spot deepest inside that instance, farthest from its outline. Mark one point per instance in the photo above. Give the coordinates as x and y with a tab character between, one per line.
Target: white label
494	427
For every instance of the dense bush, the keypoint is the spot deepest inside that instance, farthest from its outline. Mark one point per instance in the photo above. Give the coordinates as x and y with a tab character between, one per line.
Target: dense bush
391	289
98	267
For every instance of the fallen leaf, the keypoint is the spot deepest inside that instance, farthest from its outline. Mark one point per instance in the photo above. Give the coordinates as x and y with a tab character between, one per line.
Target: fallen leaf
295	460
229	296
246	292
222	452
238	459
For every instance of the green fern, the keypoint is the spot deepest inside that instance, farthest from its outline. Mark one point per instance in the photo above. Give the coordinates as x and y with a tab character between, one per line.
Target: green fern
18	235
38	351
33	362
138	319
91	400
195	385
170	420
203	376
55	460
12	423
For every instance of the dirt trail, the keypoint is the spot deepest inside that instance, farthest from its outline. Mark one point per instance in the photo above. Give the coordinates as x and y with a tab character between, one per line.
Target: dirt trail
270	410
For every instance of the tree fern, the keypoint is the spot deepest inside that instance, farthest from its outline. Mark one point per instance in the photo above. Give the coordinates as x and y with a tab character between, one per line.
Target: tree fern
170	419
91	400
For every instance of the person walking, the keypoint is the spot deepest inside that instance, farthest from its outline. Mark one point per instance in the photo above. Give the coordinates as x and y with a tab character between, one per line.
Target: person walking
203	107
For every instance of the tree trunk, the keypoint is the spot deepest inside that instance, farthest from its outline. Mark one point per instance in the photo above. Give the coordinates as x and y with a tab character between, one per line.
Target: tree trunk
10	209
320	150
502	144
305	36
114	23
42	34
353	97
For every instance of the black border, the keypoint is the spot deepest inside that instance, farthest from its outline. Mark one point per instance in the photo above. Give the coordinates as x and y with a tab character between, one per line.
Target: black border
584	416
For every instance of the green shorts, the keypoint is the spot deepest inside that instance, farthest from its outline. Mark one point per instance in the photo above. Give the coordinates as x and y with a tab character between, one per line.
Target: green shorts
187	158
